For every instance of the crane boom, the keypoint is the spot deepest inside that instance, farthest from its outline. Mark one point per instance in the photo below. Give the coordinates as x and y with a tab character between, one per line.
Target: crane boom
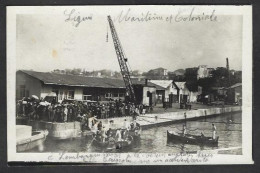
122	62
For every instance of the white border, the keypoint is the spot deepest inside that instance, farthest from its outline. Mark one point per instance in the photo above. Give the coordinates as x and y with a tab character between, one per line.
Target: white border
246	11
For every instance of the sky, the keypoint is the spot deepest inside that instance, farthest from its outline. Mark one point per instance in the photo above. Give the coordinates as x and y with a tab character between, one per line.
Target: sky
46	41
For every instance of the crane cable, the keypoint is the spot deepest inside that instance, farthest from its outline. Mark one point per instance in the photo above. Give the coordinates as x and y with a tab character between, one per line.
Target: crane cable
128	65
107	34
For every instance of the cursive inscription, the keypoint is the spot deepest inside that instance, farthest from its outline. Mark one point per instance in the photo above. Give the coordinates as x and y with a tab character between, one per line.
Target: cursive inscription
134	158
127	16
191	17
75	18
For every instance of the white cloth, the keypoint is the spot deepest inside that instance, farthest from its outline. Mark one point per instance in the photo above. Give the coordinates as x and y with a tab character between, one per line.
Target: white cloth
118	135
126	125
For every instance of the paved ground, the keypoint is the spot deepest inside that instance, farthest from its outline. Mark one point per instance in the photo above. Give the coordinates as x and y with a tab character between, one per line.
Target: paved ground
160	115
176	107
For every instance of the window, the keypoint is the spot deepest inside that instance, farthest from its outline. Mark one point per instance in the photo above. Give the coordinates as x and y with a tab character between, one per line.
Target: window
22	91
108	95
115	95
65	95
121	95
71	94
87	97
60	95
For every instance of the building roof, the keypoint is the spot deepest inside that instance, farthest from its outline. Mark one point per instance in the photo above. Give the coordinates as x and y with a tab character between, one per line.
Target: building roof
163	83
74	80
236	85
142	82
181	85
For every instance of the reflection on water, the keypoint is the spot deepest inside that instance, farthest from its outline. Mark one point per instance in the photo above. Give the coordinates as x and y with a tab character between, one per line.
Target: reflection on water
229	130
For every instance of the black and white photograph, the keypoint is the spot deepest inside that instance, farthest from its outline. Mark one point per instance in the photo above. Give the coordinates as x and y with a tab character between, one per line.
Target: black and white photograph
130	85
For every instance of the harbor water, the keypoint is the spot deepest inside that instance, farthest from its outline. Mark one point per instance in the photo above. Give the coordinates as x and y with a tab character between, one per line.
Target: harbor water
154	140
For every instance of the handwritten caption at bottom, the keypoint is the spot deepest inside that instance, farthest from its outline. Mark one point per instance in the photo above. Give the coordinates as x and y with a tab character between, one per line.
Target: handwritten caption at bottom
132	158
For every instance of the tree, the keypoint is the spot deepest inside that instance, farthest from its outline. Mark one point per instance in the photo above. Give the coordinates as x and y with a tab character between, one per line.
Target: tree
191	78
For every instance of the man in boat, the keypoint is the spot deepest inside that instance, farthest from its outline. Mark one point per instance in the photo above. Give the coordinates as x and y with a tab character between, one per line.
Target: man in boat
118	135
126	125
111	124
184	130
100	125
214	131
103	134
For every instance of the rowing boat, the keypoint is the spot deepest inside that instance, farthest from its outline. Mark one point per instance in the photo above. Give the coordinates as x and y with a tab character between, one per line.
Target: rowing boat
191	139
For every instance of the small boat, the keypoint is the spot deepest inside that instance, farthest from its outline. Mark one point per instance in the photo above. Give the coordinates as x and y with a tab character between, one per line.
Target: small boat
135	133
124	143
111	143
36	139
191	139
105	144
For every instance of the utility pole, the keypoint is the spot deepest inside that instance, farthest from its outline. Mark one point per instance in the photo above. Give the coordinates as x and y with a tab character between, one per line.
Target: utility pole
227	66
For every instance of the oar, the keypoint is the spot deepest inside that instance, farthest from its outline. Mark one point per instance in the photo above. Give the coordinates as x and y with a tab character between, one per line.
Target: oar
91	142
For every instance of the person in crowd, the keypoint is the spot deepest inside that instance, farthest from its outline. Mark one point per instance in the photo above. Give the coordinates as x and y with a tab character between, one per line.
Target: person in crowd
144	110
50	113
53	113
65	113
127	110
58	114
70	112
107	110
103	111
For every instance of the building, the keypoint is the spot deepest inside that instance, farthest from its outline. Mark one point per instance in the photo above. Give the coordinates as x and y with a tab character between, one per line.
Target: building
157	74
73	87
204	71
183	92
175	92
169	90
235	93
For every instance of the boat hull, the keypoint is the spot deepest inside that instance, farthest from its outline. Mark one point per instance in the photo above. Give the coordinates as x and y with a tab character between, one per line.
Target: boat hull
191	139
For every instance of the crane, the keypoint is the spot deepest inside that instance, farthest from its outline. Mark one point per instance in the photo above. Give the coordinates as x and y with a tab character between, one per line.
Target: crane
122	60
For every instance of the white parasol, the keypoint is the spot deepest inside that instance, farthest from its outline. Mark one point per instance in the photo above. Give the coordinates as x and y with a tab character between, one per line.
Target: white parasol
35	97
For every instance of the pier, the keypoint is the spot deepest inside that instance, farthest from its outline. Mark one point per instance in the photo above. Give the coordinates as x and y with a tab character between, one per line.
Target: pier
158	119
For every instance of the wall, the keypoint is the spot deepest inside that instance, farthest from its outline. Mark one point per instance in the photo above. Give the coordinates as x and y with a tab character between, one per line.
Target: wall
32	85
78	94
170	90
145	98
238	93
45	90
193	96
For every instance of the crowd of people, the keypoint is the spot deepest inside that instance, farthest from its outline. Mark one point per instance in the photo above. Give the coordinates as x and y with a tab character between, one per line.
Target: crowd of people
38	109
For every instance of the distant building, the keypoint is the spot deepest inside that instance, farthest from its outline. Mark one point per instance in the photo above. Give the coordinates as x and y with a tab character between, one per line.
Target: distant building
157	74
170	89
204	71
183	92
235	93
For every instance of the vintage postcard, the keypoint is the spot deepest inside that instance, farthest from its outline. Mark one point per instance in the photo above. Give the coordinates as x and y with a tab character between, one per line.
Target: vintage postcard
130	85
